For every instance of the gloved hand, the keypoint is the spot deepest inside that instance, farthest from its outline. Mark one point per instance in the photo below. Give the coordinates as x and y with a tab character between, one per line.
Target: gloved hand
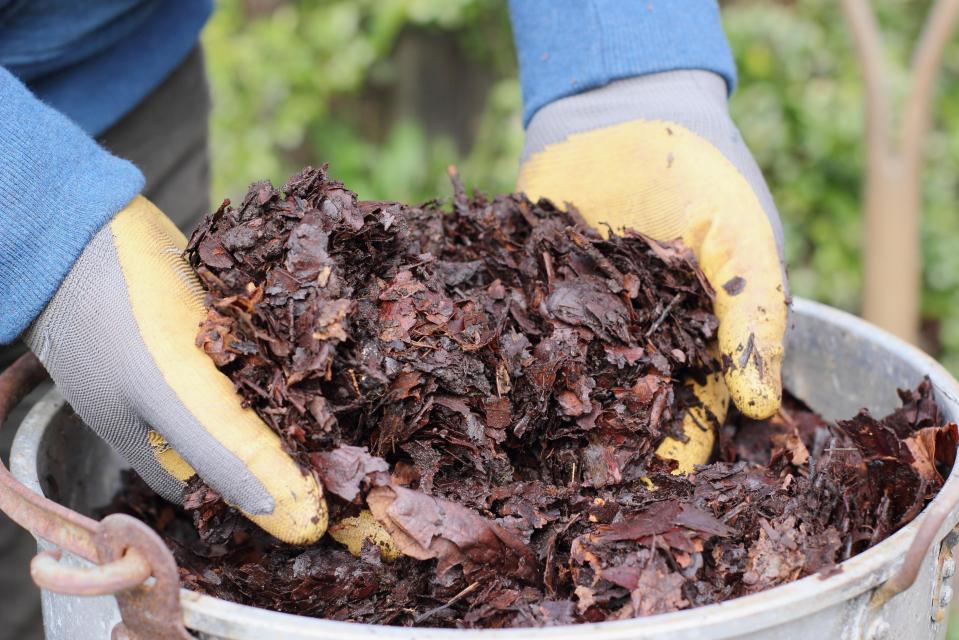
118	340
659	154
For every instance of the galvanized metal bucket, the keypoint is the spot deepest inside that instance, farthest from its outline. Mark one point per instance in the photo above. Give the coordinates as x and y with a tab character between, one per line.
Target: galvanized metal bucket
836	362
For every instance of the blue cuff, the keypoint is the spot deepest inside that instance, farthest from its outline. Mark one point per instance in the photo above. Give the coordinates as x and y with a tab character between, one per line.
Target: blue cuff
57	188
101	89
568	46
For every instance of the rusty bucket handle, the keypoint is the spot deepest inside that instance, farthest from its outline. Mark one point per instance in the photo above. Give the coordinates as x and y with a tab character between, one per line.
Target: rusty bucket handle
935	516
125	551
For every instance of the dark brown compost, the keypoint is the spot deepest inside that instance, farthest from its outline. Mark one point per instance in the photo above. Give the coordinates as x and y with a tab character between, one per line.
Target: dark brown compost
493	382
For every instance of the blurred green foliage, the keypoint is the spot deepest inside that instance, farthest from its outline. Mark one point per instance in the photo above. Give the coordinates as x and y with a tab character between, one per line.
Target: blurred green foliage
292	84
306	81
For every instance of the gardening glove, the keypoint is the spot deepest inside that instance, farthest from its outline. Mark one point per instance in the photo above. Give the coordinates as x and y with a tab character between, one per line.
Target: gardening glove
118	340
659	154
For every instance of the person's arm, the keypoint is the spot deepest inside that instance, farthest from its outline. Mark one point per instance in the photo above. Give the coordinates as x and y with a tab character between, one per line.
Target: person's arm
565	47
625	107
91	274
57	189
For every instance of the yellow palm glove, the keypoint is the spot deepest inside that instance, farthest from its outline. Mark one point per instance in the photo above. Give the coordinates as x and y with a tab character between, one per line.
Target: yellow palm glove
660	155
118	339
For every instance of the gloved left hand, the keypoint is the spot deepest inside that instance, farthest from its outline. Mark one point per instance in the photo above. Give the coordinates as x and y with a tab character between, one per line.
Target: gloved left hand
118	340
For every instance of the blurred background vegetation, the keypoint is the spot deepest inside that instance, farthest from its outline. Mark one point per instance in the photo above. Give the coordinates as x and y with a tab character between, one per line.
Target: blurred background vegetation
392	91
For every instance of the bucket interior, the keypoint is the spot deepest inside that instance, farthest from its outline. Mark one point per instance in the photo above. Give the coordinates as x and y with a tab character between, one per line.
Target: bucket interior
75	467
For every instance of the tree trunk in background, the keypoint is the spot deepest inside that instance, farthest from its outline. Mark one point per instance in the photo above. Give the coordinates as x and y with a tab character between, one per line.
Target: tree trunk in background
893	197
438	84
432	81
891	253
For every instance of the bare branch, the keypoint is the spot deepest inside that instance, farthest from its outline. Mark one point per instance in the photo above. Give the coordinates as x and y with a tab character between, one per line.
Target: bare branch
927	57
872	60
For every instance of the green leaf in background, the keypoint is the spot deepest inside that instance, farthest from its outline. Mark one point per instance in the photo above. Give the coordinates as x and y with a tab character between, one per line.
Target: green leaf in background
348	82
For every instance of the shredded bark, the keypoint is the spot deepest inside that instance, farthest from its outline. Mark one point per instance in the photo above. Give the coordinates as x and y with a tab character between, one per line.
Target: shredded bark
492	383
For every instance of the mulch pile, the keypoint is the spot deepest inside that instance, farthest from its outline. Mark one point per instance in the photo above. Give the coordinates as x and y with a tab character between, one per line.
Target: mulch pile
492	383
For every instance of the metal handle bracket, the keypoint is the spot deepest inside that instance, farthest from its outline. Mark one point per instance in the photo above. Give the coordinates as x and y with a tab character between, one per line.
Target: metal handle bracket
125	551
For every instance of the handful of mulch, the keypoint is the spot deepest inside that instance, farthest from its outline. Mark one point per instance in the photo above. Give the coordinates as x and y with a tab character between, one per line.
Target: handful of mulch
492	383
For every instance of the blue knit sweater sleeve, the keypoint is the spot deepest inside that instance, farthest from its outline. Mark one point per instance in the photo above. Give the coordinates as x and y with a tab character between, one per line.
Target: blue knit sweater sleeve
568	46
57	188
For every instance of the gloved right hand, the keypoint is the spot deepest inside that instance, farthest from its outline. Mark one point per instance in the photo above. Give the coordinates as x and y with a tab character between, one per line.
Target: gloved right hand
118	340
659	154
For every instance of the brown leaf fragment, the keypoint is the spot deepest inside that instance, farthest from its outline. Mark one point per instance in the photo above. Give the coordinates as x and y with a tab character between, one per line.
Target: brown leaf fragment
659	518
214	254
627	355
215	336
702	522
320	410
625	576
404	384
776	557
307	247
472	425
792	446
922	448
345	468
584	598
572	405
331	322
426	528
499	416
658	591
579	304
